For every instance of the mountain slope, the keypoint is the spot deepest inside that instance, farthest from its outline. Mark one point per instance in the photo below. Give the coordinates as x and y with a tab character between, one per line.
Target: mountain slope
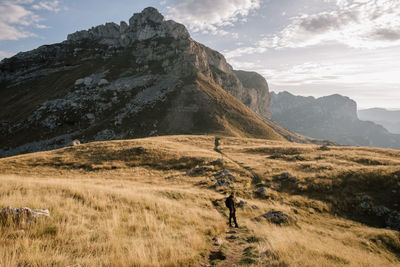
331	118
123	81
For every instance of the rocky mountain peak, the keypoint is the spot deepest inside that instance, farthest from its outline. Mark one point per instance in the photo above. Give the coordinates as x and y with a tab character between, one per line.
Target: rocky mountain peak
149	14
142	26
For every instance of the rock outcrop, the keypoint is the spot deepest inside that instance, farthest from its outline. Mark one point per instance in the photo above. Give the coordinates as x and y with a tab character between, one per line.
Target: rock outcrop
113	81
142	26
331	118
21	216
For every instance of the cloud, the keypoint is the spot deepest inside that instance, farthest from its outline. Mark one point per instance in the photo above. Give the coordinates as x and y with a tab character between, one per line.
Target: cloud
208	16
16	17
53	6
238	52
13	18
358	24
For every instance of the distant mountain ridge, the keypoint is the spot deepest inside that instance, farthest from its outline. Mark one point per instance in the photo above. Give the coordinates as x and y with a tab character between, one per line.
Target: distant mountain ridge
132	80
390	119
331	117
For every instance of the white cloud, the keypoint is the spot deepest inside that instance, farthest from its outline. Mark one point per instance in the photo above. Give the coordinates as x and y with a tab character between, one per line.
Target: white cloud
238	52
208	15
16	17
53	6
13	18
358	23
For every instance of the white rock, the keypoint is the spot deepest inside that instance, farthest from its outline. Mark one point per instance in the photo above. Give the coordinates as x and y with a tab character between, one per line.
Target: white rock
79	82
88	81
103	82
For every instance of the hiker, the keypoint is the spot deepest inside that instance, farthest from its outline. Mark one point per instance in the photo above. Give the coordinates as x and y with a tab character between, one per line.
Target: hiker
230	204
216	143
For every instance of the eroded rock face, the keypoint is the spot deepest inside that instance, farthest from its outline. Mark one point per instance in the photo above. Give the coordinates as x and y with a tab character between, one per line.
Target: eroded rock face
256	92
142	26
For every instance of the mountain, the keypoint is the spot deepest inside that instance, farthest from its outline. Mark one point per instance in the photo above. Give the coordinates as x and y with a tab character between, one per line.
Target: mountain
390	119
122	81
331	117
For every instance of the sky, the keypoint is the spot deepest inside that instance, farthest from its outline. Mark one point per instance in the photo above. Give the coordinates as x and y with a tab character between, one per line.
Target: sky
306	47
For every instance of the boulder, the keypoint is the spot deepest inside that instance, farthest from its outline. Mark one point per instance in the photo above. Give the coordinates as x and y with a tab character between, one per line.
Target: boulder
261	191
276	155
278	217
285	176
241	204
21	216
225	174
393	221
381	210
75	142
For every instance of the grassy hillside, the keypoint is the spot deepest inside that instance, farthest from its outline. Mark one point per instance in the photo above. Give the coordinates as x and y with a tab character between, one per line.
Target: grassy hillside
145	202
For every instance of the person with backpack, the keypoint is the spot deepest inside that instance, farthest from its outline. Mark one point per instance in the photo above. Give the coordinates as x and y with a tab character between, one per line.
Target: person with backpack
230	204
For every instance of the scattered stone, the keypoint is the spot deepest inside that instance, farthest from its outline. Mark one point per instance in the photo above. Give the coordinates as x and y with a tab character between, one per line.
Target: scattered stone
324	148
394	191
381	210
241	204
217	162
393	221
276	155
222	182
365	205
102	82
79	82
217	241
139	150
278	217
254	207
285	176
261	191
90	116
225	174
87	81
21	216
231	232
75	142
277	187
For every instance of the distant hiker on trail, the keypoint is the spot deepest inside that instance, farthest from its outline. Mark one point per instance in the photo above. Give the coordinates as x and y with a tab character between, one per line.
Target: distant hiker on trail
230	204
217	143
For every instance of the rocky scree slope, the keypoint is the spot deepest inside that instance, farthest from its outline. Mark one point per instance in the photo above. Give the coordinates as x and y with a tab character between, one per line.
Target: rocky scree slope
331	117
123	81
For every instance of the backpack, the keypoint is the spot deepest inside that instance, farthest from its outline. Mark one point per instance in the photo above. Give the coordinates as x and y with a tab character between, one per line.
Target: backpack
227	202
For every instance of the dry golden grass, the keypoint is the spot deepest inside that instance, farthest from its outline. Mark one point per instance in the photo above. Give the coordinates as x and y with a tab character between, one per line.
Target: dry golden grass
114	204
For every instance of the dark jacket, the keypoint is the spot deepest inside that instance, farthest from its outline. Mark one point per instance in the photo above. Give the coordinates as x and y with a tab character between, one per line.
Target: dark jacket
230	202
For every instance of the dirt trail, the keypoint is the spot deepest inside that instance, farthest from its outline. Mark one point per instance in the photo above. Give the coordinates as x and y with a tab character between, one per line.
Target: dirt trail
233	248
255	178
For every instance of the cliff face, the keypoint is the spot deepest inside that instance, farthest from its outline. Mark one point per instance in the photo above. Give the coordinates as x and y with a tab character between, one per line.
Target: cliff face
123	81
331	117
